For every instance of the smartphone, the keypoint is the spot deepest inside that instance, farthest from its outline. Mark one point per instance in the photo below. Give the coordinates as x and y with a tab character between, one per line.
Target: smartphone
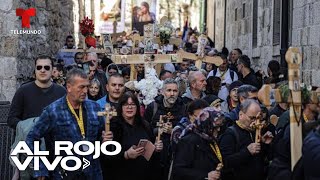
142	143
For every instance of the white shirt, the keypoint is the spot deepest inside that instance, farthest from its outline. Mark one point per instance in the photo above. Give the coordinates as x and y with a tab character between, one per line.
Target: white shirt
224	92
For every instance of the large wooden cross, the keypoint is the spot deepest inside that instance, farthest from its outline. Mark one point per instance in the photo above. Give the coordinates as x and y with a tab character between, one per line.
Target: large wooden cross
149	57
200	56
266	93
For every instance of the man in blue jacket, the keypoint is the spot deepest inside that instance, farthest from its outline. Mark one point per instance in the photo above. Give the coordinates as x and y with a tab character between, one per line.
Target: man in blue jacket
71	118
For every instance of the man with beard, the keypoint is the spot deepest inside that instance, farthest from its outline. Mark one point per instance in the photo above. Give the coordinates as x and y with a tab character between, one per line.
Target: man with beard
31	98
243	158
226	75
197	83
169	104
115	89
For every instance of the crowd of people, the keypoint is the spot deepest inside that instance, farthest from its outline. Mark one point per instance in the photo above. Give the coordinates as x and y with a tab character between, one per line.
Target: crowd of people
205	117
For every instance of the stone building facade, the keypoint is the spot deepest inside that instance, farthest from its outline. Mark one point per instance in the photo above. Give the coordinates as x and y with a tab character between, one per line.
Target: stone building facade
55	20
264	29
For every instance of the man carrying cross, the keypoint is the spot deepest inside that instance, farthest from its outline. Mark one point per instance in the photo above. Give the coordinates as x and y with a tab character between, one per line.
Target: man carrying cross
243	157
169	105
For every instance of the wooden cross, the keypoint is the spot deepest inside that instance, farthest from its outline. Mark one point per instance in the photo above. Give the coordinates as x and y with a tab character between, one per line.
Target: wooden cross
294	60
168	116
160	125
200	56
258	125
108	113
149	57
115	35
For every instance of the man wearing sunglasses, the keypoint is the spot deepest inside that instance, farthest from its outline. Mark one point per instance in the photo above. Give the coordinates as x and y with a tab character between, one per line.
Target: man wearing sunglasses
31	98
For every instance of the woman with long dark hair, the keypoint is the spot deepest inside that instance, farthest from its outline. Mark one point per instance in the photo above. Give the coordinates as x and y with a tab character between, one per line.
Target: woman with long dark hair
128	129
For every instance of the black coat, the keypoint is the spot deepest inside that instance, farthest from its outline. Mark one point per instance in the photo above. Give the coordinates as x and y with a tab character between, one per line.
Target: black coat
194	159
238	161
311	155
117	167
178	111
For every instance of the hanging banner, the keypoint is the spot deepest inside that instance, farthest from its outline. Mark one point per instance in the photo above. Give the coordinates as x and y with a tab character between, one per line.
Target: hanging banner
111	11
143	12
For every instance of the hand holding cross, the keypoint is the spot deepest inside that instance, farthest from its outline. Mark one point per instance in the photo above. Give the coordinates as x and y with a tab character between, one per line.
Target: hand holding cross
108	113
160	125
258	125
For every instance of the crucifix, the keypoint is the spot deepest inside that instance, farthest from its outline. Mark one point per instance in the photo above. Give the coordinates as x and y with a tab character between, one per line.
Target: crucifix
294	59
258	125
160	125
108	113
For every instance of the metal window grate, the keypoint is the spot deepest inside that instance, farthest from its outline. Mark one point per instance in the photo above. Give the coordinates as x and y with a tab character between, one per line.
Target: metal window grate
276	22
6	140
255	24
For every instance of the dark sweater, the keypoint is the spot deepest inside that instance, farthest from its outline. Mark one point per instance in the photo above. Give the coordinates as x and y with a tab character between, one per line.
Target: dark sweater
238	158
251	79
30	100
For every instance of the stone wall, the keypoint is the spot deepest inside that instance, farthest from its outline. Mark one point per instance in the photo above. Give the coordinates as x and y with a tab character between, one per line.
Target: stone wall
306	36
303	33
55	19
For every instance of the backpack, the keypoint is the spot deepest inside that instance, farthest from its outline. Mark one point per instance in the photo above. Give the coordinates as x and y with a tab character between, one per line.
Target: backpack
228	173
231	73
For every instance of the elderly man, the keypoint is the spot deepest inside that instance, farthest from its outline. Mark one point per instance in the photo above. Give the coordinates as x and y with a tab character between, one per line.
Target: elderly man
115	89
71	118
172	106
98	74
197	82
243	157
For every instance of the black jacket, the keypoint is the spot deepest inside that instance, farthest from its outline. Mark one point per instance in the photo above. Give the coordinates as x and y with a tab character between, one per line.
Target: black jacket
117	167
237	158
251	79
311	155
194	159
178	111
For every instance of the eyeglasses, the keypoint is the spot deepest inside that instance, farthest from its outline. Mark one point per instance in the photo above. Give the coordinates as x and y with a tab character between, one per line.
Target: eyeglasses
47	68
252	118
254	98
130	105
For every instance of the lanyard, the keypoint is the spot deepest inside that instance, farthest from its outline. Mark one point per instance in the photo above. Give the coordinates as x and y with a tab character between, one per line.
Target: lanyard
79	118
216	151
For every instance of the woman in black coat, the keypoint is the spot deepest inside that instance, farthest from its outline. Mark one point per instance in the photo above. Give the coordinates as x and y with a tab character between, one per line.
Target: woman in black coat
128	129
198	155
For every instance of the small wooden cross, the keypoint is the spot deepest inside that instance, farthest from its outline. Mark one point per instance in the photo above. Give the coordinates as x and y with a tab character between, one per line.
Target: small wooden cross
160	125
258	125
108	113
168	116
